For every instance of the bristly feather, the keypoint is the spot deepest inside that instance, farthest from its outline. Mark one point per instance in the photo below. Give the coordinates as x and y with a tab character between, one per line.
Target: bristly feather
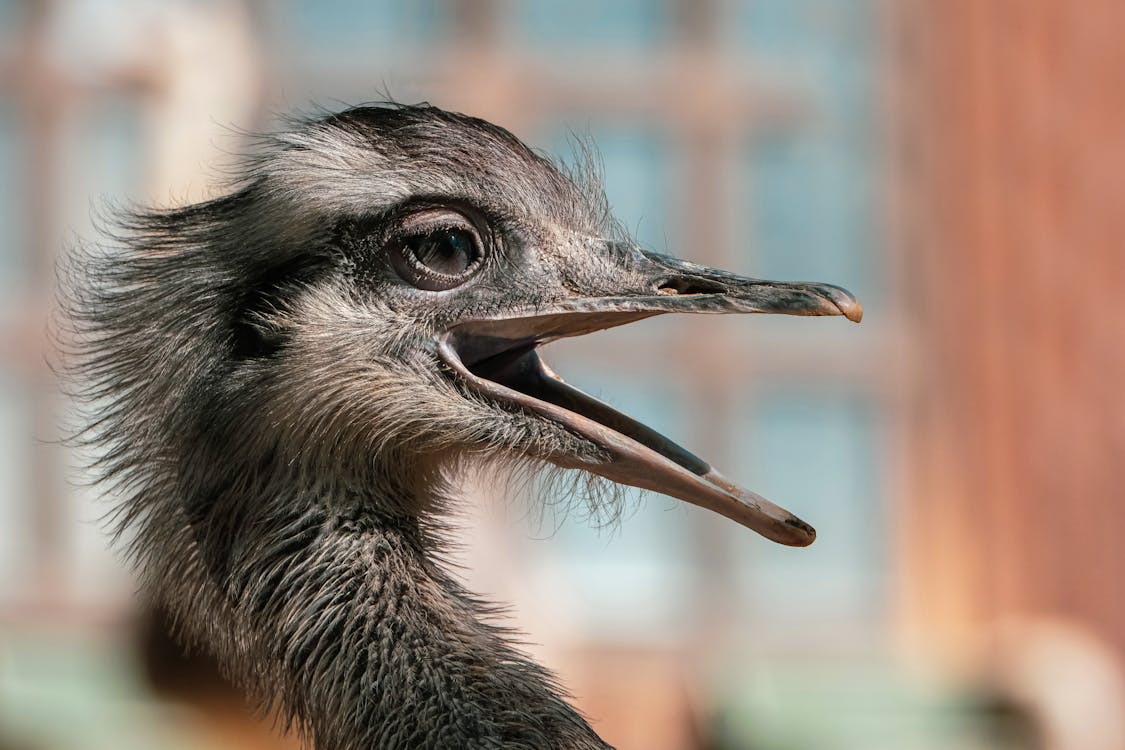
259	422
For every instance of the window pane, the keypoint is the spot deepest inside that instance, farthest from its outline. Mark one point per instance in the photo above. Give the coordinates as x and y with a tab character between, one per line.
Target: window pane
638	174
11	22
803	28
813	452
810	185
355	30
102	162
628	578
561	25
812	207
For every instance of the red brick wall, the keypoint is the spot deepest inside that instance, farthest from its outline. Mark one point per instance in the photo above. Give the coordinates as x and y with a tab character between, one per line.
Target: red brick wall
1010	198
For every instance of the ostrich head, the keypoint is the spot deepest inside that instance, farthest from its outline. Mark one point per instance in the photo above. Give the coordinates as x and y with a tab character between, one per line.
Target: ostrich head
286	379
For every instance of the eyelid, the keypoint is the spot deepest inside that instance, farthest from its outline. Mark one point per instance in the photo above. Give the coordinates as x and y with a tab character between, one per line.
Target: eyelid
435	219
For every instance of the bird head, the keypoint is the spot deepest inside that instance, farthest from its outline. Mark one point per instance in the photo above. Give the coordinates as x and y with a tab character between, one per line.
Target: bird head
369	306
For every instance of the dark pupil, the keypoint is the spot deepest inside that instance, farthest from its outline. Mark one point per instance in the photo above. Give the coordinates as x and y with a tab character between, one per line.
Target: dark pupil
446	251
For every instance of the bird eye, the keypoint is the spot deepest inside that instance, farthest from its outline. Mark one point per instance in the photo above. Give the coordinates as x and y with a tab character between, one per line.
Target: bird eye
447	251
437	258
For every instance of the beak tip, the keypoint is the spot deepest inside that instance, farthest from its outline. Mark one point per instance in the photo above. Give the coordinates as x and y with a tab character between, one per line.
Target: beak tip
805	535
835	300
849	307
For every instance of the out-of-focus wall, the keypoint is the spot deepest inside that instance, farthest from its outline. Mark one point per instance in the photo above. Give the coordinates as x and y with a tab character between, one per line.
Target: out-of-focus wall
1011	171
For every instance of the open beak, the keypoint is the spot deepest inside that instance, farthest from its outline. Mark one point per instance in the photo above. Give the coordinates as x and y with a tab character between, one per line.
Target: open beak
498	358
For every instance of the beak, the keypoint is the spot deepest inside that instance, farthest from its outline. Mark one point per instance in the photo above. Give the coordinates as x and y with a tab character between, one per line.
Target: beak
498	358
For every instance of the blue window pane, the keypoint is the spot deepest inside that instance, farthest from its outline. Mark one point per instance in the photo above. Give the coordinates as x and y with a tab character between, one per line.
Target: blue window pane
615	27
800	28
354	30
633	575
813	209
13	206
810	185
11	21
813	452
104	160
638	174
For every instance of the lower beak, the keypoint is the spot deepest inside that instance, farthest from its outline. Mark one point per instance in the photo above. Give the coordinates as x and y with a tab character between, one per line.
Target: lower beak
498	358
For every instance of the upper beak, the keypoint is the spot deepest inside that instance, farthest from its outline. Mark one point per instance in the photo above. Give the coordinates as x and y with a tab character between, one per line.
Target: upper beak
497	357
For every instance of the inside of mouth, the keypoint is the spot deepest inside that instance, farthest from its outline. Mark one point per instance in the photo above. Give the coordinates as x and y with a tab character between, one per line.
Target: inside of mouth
522	370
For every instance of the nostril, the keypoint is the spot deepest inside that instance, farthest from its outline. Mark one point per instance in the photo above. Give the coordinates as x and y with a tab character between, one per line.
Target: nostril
686	285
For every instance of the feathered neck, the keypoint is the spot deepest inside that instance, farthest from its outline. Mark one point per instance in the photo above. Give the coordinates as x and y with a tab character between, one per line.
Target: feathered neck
343	620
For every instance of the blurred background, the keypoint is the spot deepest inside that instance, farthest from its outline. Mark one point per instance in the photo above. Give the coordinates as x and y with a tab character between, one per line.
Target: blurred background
959	165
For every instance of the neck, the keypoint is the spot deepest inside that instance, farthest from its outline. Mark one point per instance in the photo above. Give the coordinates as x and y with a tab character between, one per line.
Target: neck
360	637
